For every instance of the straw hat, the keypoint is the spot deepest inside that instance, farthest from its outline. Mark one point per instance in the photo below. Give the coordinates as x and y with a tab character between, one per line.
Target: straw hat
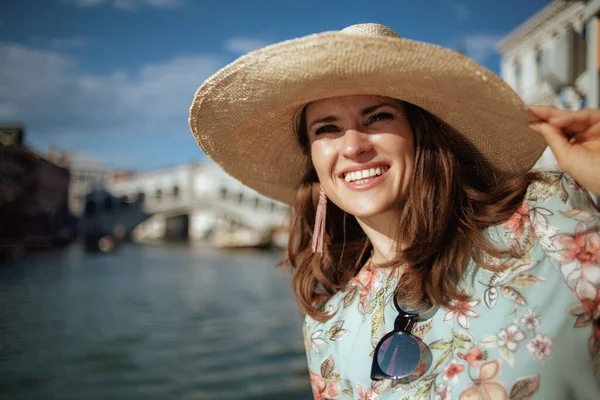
243	117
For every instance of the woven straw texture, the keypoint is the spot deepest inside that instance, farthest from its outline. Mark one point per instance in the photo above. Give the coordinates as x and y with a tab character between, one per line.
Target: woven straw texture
243	116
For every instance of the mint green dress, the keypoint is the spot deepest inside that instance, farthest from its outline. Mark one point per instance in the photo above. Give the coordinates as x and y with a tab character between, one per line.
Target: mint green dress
532	331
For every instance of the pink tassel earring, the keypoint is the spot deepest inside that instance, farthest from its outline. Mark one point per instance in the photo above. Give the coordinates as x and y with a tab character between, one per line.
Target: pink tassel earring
319	231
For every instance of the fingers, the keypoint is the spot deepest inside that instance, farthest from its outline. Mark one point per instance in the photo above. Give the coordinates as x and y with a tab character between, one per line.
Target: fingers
574	121
569	122
584	136
555	138
545	112
574	140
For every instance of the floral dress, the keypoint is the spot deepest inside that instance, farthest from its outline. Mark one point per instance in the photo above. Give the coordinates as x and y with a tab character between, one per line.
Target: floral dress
532	331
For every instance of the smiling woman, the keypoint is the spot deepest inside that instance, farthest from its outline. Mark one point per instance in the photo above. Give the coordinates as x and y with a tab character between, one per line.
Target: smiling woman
358	134
393	211
428	259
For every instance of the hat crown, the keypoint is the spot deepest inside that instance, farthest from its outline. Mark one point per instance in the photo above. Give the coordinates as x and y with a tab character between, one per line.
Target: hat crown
370	30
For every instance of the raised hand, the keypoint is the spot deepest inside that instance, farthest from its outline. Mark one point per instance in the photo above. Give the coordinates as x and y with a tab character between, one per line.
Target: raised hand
574	137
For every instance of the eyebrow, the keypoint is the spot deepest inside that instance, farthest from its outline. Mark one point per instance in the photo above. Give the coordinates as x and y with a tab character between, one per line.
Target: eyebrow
364	112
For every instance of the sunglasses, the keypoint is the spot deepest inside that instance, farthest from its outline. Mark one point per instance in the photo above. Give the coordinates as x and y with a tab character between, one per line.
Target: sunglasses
400	355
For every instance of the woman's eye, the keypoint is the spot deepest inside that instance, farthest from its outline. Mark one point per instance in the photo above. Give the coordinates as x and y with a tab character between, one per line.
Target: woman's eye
379	117
327	129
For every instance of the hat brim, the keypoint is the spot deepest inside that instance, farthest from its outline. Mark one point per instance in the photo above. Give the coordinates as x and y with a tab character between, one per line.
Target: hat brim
243	117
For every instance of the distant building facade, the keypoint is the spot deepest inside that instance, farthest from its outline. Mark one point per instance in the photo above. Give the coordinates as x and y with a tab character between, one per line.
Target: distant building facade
544	59
33	197
553	59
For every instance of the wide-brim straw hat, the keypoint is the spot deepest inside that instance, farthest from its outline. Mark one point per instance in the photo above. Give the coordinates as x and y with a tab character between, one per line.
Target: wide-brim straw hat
244	116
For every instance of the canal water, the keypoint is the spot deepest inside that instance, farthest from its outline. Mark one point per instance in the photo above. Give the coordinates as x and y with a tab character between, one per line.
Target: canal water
150	322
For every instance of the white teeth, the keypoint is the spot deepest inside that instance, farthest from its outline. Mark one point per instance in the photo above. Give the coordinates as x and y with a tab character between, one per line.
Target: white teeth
363	176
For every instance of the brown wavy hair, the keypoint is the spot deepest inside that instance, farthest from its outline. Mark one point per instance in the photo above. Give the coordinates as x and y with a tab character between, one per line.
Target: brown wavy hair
446	211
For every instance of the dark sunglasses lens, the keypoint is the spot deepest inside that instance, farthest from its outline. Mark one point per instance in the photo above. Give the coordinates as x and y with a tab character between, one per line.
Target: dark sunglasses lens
399	354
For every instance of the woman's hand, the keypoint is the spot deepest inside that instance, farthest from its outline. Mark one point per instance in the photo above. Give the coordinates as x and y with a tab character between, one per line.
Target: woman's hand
574	137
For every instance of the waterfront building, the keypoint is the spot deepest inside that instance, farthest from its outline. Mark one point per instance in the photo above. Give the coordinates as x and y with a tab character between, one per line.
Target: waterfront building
544	58
553	58
12	168
33	197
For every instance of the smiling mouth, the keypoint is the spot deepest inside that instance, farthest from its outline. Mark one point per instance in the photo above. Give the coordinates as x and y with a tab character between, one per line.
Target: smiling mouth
365	176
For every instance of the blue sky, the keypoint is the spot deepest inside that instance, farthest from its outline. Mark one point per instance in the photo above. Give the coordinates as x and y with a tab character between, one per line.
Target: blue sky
113	79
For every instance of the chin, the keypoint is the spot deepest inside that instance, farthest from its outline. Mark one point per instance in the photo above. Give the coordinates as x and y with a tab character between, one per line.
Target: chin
373	210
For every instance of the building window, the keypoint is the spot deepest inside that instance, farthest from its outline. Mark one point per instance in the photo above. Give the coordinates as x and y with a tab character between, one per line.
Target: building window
241	197
141	197
158	194
176	191
256	202
518	77
538	64
223	192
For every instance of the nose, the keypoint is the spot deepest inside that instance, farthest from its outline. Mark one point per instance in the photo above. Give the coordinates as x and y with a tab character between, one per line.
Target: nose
355	143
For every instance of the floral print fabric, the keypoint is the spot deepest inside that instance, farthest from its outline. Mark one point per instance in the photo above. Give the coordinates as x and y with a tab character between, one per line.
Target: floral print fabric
530	331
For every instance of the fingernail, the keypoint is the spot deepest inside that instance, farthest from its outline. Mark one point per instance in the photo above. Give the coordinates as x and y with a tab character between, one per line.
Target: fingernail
534	126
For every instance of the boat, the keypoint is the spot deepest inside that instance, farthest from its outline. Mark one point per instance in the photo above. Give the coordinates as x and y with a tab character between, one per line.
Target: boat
108	220
281	236
241	237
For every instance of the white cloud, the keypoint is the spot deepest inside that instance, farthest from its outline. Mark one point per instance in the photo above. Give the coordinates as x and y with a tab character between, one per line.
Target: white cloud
480	47
243	45
129	4
59	103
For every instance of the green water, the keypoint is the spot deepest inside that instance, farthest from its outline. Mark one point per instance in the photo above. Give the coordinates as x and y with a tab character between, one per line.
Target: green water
160	322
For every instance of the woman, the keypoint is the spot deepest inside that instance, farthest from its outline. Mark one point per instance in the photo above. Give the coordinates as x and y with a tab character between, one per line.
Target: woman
428	261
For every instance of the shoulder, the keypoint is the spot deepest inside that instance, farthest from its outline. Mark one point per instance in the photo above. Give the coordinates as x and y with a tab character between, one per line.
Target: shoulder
553	205
563	216
557	190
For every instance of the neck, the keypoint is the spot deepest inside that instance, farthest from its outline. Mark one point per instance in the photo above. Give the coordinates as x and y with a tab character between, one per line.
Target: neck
380	231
